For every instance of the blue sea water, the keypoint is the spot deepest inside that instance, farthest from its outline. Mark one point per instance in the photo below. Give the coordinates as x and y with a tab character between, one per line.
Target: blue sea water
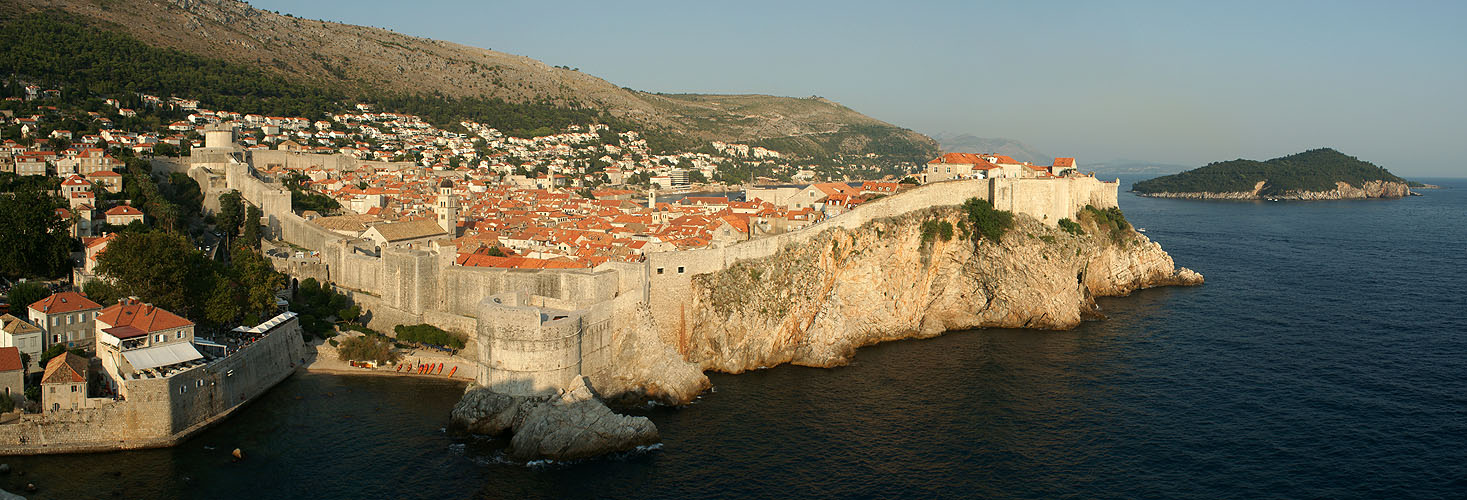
1326	357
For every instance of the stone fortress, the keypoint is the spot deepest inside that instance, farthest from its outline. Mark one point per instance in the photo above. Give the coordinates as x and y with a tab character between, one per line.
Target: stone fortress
536	331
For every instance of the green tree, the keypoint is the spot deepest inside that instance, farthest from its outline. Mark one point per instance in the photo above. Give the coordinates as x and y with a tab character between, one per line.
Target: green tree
231	214
252	227
33	240
162	268
101	292
25	294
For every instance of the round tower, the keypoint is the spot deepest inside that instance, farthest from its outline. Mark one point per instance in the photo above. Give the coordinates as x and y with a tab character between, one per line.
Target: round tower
219	137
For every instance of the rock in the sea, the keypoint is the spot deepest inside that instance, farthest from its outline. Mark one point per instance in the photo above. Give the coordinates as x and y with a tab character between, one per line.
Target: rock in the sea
577	425
569	426
6	495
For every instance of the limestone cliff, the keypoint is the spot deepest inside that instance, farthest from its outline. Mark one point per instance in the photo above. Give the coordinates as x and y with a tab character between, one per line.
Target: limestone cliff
815	304
1342	191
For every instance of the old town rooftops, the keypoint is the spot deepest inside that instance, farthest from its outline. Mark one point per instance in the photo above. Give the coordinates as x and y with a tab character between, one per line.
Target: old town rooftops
64	302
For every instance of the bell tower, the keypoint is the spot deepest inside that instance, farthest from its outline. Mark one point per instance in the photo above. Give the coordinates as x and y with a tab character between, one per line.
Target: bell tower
447	208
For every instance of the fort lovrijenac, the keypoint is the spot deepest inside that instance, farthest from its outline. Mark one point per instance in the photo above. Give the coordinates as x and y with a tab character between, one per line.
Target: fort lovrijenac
538	326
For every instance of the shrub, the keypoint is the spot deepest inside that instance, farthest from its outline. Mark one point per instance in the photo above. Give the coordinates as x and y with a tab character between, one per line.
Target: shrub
6	404
987	222
1110	220
428	334
1071	227
936	229
367	348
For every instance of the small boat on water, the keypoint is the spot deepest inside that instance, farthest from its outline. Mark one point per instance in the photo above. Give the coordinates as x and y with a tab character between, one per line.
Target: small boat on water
1140	229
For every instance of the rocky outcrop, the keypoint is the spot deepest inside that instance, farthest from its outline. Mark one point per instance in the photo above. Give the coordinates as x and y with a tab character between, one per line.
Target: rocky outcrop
816	304
644	368
1342	191
569	426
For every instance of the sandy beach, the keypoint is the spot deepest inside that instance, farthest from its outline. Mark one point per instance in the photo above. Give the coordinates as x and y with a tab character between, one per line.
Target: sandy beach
324	359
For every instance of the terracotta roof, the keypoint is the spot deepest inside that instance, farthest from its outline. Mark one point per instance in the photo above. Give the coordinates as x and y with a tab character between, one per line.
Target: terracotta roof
145	317
123	210
1064	162
67	368
64	302
398	231
17	326
10	359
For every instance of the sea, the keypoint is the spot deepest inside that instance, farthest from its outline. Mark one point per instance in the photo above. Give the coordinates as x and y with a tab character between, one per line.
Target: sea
1325	357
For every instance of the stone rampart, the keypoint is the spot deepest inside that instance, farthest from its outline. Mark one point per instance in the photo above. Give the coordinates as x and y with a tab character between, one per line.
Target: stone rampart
164	411
415	285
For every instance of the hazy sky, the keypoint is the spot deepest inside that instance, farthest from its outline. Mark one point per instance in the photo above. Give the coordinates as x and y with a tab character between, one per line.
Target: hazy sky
1172	82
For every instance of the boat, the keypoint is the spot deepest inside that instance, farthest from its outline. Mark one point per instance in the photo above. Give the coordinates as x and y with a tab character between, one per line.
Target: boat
1140	229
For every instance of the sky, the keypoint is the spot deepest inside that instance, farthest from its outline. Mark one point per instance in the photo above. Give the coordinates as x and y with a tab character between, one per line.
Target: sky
1176	82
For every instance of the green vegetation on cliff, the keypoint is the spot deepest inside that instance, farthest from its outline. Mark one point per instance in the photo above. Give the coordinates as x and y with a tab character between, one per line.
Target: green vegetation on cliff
1313	170
987	222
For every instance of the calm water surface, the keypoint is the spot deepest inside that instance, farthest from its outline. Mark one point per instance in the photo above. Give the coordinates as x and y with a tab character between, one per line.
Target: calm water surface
1325	358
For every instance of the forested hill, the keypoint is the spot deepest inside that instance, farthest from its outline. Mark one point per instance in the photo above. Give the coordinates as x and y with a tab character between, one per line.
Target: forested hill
1313	170
340	61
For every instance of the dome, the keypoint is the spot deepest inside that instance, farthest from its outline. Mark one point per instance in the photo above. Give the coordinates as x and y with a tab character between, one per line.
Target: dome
446	183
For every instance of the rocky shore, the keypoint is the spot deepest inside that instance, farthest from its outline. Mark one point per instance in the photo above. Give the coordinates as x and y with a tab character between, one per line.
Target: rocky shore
815	304
1342	191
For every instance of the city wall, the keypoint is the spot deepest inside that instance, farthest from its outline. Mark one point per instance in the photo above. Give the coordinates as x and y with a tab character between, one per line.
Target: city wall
162	412
524	353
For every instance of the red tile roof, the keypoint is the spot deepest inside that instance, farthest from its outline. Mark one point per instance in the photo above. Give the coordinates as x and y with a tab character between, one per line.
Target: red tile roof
10	359
64	302
145	317
123	210
67	368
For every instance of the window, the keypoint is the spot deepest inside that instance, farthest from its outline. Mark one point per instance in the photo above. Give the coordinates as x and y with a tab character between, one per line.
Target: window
73	388
180	334
53	389
55	321
679	269
201	383
659	270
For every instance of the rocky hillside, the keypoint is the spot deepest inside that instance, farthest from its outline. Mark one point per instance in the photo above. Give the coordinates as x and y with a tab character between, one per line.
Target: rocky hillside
325	53
816	303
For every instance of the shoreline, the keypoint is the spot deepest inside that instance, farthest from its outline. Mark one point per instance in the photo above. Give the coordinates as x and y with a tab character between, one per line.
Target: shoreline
370	372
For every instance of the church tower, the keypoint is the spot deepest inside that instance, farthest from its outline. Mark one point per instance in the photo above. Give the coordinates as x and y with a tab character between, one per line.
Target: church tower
447	208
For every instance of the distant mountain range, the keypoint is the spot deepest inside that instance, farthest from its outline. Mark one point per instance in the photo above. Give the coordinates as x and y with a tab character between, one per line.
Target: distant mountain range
355	60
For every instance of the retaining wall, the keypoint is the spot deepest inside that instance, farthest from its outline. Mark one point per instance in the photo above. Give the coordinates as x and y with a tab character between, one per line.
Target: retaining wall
162	412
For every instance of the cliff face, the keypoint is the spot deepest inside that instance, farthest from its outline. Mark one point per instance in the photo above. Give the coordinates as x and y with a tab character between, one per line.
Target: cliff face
815	304
1342	191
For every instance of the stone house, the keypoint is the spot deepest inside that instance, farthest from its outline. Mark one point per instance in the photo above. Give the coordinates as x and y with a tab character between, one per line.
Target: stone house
107	179
20	334
123	215
64	385
404	233
65	318
12	373
135	337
